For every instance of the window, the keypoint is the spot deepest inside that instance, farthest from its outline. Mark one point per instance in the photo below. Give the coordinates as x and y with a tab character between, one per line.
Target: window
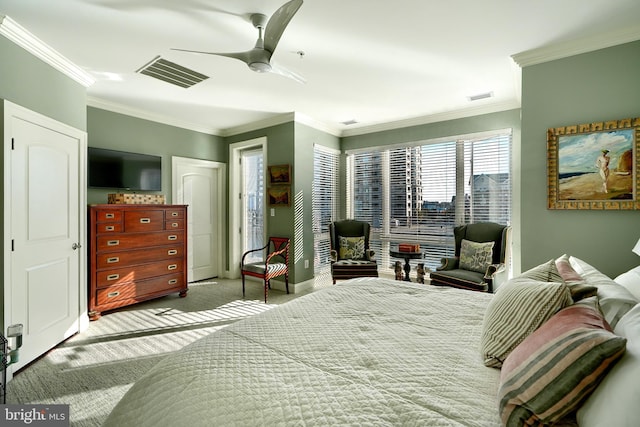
417	193
325	192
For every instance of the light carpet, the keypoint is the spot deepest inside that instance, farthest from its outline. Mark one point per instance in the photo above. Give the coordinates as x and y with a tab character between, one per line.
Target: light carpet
92	370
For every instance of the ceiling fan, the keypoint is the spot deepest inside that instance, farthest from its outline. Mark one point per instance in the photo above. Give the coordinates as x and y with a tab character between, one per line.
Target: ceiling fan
259	58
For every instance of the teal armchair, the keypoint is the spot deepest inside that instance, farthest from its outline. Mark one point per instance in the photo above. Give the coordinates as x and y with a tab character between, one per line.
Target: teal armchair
481	256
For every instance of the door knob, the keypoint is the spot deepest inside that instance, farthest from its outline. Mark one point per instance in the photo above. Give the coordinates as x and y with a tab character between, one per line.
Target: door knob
76	246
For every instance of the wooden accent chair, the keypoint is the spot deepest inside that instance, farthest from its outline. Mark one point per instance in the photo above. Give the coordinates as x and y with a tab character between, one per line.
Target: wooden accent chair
476	272
275	264
350	253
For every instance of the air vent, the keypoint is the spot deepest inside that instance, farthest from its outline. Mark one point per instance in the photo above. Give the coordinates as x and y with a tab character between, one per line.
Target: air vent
349	122
171	72
480	96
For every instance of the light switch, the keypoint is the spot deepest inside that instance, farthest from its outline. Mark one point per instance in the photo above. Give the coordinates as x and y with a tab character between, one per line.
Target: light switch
273	212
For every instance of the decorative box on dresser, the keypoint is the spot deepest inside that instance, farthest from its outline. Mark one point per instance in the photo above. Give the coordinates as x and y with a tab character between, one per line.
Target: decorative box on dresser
137	253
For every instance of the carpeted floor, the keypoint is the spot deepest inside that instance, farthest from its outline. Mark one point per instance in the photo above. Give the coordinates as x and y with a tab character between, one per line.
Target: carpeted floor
92	370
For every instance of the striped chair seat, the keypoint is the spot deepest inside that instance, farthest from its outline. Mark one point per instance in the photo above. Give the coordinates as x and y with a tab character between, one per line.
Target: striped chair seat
276	269
276	263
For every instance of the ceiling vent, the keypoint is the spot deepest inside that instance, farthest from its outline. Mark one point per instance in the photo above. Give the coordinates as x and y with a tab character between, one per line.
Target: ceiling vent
349	122
171	72
480	96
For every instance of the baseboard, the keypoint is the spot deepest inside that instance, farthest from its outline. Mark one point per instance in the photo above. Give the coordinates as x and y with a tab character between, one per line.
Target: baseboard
294	288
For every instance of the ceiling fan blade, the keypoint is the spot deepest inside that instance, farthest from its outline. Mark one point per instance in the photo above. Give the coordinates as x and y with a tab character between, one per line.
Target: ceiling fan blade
242	56
278	22
287	73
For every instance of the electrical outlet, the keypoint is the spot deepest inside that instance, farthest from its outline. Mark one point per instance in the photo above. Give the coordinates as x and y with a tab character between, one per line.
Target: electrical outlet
306	263
273	212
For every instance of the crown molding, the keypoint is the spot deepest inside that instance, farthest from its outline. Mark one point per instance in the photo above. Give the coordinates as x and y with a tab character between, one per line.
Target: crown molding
23	38
576	47
145	115
275	120
433	118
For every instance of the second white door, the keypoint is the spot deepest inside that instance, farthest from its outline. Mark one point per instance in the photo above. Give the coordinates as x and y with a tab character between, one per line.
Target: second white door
197	184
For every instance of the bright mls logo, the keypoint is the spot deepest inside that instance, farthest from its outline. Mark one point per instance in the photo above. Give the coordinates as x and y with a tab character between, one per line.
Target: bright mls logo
34	415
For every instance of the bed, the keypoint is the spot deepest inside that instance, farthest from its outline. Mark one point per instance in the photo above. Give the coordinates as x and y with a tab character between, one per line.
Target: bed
374	351
365	351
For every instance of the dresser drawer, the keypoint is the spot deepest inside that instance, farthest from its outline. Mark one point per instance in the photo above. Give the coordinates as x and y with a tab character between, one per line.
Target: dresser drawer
143	220
111	215
109	227
176	224
117	276
138	256
140	289
118	242
172	213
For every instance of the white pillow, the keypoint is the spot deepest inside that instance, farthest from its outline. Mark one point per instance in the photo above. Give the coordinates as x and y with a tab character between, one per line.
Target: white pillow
615	401
631	281
615	300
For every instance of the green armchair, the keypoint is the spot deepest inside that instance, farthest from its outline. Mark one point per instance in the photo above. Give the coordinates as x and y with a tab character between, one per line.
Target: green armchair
350	253
481	255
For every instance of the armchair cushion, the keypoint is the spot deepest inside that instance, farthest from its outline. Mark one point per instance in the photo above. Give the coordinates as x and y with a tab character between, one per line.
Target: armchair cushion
351	247
476	256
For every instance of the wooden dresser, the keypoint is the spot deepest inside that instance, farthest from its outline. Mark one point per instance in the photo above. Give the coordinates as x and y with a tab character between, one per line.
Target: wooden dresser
137	252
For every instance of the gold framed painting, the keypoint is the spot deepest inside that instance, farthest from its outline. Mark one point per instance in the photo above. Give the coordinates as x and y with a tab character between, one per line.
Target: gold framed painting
280	174
594	166
279	195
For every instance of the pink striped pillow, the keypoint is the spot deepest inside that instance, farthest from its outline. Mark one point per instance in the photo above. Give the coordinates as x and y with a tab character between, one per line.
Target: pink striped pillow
556	367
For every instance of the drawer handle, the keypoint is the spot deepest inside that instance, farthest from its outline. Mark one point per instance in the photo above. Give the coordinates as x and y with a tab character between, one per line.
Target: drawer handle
172	266
145	220
172	252
113	242
113	277
110	216
113	294
172	281
174	224
113	259
174	213
109	228
172	237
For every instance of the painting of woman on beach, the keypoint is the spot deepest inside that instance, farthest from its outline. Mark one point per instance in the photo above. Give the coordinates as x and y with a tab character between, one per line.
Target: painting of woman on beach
596	165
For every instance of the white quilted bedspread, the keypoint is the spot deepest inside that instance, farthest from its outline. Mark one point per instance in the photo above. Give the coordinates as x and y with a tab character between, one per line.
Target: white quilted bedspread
363	352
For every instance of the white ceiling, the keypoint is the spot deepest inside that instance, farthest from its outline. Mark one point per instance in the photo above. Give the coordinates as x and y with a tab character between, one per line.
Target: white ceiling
381	63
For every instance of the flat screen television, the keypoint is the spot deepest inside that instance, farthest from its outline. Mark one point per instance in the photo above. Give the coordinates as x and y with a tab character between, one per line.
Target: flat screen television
124	170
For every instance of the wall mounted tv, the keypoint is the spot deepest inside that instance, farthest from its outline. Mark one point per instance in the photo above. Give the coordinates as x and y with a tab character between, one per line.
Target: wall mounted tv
124	170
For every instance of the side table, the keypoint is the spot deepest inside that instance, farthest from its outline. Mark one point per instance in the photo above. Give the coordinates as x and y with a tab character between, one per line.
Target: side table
406	256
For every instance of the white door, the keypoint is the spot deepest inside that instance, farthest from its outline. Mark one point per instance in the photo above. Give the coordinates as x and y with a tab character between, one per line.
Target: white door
197	183
240	200
43	292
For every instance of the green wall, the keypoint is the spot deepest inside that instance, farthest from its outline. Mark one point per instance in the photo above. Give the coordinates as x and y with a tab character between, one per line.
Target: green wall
596	86
31	83
125	133
292	143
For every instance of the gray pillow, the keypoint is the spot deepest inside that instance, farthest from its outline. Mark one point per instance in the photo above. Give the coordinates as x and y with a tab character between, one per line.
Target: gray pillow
476	256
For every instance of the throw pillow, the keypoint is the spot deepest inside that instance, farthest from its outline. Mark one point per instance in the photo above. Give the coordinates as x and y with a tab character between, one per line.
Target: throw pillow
545	272
476	256
351	247
615	401
515	311
577	285
555	369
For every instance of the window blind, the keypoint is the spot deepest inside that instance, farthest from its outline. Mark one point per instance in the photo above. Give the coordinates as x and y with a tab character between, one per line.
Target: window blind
325	207
418	193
